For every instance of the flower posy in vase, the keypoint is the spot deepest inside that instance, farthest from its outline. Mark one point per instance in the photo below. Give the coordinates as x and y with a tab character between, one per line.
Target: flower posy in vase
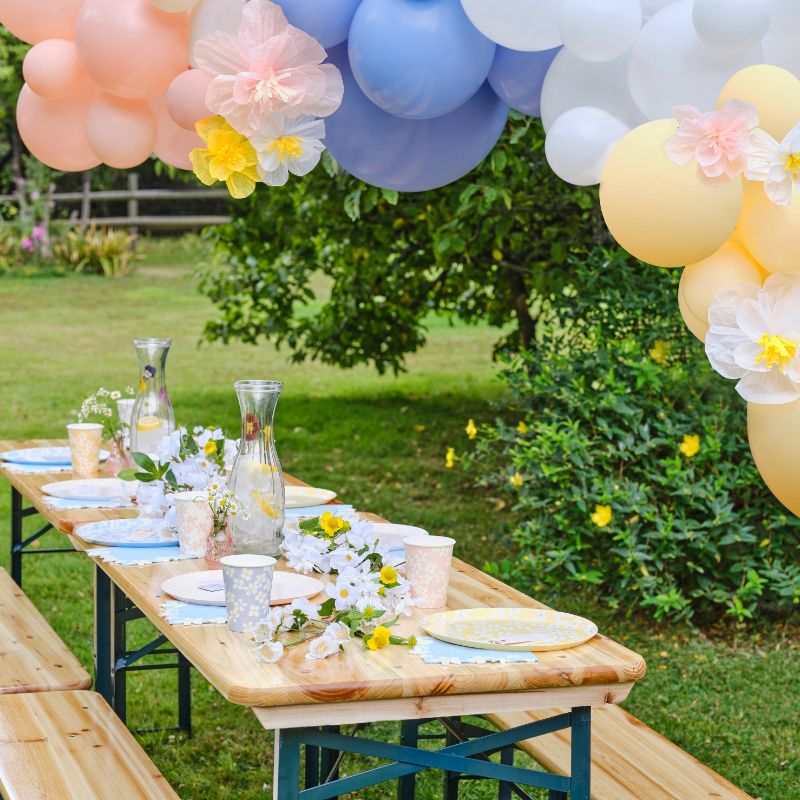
101	408
152	418
225	508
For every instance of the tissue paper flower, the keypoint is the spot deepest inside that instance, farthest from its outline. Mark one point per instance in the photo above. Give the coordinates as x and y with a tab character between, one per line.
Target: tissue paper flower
776	164
228	156
286	145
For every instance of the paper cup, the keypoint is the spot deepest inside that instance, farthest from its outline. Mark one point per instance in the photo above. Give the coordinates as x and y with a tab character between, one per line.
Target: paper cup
248	586
85	439
428	560
195	522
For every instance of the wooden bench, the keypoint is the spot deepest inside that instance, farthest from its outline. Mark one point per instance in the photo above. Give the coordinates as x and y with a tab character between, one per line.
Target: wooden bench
629	760
71	746
32	657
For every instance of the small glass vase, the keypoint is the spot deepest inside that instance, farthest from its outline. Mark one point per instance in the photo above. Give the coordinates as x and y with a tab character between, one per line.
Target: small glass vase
218	545
256	477
152	418
118	459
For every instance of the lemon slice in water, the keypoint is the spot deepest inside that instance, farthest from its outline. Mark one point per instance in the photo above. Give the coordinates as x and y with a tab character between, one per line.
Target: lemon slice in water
149	423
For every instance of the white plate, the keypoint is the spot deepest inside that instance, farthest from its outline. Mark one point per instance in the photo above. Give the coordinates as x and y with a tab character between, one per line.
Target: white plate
44	456
307	496
89	489
391	536
206	588
136	532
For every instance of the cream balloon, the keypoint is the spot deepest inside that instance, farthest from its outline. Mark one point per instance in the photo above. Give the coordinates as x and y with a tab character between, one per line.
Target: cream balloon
36	20
731	25
174	6
730	266
213	15
122	132
599	31
55	130
775	92
51	69
773	432
771	233
186	98
658	210
697	327
173	143
517	24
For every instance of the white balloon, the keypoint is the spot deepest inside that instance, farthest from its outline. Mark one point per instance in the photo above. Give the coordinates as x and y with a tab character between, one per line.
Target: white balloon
782	51
670	66
174	6
731	25
572	82
785	17
516	24
600	31
214	15
579	141
650	7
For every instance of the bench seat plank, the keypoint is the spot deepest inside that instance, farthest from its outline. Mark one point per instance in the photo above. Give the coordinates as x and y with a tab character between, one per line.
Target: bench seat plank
71	746
32	657
630	761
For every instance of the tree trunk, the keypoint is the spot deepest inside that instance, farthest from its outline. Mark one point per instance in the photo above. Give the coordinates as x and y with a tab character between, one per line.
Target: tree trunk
521	296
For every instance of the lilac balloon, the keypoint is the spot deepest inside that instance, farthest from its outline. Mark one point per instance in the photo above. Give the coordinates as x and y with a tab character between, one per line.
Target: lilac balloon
328	21
517	77
410	155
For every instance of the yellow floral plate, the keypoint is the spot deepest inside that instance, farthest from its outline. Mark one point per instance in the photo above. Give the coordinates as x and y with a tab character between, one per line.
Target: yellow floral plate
491	628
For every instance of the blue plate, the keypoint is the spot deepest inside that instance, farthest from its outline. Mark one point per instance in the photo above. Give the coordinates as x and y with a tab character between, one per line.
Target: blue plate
137	532
44	456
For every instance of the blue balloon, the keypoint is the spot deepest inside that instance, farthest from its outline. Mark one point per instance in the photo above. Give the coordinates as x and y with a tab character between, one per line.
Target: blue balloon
518	76
328	21
418	59
410	155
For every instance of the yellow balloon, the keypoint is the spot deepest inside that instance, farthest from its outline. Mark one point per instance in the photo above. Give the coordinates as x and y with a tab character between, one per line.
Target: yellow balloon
771	233
774	91
697	326
730	266
773	431
660	211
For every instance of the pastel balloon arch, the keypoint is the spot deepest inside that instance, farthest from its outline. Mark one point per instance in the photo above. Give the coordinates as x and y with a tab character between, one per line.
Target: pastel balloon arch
685	112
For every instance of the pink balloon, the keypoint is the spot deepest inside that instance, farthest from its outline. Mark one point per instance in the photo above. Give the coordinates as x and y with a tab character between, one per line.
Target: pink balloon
121	132
52	69
174	143
131	49
36	20
186	98
55	130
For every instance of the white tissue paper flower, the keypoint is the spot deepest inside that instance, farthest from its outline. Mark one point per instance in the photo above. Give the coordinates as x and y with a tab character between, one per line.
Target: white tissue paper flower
270	652
321	647
775	164
754	336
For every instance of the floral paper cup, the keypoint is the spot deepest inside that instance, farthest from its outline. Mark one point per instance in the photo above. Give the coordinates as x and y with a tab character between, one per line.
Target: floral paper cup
428	561
85	439
248	586
195	522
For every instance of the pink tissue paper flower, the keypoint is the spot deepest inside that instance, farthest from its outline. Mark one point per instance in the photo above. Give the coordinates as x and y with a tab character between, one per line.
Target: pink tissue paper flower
269	67
719	141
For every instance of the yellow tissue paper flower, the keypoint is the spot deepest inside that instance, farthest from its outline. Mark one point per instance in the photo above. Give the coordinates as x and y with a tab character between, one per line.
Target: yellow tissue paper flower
228	156
471	430
450	458
602	516
379	639
690	446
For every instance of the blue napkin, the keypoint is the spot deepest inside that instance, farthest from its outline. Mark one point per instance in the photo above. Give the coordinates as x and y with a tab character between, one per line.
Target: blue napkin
434	651
137	556
61	503
35	469
177	612
317	511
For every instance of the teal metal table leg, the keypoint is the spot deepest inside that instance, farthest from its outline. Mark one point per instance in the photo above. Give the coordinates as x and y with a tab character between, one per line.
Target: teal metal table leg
581	757
103	661
287	773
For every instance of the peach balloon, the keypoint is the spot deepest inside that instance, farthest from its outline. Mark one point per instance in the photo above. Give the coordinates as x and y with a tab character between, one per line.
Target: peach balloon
173	143
129	48
658	210
52	69
696	326
186	98
36	20
121	132
730	266
174	6
55	130
774	431
771	233
774	91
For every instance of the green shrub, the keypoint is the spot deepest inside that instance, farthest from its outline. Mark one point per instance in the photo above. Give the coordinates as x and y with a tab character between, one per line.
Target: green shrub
106	252
605	402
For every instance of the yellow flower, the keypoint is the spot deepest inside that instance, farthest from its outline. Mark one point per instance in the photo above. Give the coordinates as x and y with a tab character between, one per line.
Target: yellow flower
471	430
379	639
516	480
450	458
522	428
228	156
330	525
388	575
659	352
497	255
602	516
210	448
690	446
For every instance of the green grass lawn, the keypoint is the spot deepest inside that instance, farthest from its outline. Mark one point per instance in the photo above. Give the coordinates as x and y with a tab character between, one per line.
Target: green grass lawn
732	701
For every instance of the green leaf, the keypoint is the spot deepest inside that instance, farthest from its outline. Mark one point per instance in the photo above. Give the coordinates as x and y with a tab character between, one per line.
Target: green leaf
144	461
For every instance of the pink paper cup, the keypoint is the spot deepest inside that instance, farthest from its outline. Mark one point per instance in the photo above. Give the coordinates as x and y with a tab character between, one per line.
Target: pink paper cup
85	439
195	522
428	560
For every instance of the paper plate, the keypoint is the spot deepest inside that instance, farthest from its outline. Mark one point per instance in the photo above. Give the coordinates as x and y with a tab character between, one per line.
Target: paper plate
481	627
137	532
206	588
307	496
89	489
44	456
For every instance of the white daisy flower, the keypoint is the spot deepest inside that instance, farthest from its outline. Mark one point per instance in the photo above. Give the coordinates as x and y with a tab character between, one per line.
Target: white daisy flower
287	145
775	164
270	652
338	633
321	647
345	591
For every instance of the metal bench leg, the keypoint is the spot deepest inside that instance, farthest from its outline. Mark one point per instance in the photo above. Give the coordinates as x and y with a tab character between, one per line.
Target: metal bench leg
16	536
409	737
120	651
505	788
451	779
184	694
287	765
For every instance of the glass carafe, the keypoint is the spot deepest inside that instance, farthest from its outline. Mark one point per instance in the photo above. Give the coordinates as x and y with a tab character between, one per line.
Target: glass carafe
152	417
256	477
